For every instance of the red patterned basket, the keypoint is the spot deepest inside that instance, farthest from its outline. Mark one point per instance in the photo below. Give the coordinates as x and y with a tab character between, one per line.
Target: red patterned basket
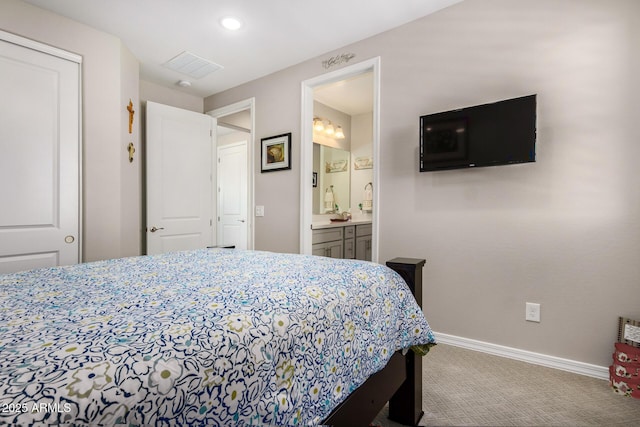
626	370
624	386
626	353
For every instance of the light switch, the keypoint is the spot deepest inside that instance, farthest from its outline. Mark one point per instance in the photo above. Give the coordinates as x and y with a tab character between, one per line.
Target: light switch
259	210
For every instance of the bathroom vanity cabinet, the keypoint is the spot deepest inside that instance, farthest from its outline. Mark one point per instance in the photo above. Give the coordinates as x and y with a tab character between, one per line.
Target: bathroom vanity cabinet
328	242
343	240
363	242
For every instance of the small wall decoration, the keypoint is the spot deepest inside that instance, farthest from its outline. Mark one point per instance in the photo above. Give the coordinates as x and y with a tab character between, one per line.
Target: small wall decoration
276	153
131	149
131	113
337	60
336	166
363	163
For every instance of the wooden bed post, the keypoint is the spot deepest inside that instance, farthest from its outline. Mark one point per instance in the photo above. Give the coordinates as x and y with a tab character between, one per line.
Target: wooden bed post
405	407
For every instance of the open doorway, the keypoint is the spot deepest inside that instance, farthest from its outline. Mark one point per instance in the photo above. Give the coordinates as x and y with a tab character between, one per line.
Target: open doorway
234	180
319	91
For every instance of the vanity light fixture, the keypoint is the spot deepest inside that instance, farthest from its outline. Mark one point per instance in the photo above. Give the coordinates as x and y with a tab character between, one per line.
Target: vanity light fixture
319	126
329	129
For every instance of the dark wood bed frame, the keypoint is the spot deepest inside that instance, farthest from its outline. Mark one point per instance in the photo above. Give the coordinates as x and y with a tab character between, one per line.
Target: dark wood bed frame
399	383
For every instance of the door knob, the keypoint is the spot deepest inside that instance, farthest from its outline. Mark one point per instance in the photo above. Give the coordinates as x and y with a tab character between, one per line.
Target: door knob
154	229
241	220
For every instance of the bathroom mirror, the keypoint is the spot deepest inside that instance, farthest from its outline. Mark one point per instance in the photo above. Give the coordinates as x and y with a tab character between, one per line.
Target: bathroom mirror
332	179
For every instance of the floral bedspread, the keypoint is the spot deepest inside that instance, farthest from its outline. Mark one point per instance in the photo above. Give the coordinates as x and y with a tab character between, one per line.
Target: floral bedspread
215	337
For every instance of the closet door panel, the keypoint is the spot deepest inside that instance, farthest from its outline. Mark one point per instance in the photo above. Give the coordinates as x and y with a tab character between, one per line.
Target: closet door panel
39	159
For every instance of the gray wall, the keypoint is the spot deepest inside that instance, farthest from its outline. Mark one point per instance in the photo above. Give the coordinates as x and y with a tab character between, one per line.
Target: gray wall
562	232
174	97
130	172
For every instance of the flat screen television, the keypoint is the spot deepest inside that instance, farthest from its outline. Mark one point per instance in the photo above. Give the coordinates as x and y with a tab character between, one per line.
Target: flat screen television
499	133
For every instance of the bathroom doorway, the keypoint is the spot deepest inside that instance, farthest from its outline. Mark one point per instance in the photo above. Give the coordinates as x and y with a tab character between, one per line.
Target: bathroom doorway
323	86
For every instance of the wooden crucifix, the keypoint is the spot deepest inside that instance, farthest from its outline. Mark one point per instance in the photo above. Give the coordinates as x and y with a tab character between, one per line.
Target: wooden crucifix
131	113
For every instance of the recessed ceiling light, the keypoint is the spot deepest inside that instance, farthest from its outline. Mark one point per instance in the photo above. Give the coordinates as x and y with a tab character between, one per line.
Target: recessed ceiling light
231	23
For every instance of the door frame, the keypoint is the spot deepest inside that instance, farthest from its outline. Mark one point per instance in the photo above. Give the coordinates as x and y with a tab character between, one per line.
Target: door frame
306	148
247	104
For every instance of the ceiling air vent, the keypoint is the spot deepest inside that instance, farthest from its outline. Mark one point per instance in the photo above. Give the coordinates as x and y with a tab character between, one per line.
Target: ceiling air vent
192	65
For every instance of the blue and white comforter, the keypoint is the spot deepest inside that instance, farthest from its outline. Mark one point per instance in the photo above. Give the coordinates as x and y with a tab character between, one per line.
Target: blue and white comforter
213	337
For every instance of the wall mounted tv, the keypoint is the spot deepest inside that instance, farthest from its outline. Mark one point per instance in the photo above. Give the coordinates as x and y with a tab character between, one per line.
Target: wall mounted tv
499	133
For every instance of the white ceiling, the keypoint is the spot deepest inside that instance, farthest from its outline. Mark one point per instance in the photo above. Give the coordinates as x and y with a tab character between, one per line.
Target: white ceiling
275	34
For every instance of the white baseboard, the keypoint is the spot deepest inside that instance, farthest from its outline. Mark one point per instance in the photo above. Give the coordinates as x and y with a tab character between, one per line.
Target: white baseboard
595	371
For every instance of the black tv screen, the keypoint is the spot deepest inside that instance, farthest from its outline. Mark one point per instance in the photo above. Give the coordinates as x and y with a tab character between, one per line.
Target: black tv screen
499	133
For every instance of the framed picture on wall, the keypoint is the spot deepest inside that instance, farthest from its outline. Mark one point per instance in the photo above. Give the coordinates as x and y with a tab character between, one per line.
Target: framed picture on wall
276	153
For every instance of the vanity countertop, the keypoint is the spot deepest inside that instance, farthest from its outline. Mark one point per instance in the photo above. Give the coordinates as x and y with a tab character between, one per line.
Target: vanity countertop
328	224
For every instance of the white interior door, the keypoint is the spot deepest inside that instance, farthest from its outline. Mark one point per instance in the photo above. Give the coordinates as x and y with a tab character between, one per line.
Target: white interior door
179	163
39	156
232	195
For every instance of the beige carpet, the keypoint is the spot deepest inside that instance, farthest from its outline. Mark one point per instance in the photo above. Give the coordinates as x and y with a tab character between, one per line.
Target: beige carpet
467	388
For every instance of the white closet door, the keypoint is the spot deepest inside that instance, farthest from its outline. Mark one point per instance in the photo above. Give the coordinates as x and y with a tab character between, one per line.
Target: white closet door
39	158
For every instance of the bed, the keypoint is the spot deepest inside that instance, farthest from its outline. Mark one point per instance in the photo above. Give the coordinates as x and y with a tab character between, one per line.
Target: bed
206	337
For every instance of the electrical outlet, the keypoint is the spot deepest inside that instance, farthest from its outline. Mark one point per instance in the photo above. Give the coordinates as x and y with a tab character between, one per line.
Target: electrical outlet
259	210
532	313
